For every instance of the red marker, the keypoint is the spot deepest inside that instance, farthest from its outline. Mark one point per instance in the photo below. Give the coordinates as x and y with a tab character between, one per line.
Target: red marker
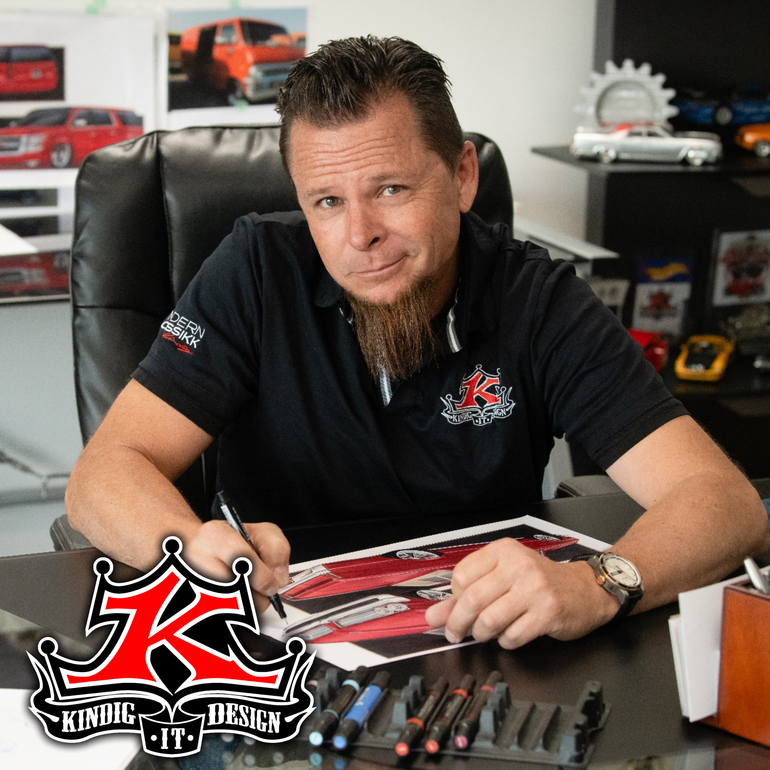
468	726
415	726
441	726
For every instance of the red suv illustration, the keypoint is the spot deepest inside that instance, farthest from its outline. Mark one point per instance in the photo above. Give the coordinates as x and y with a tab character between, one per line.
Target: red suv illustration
27	69
248	58
63	136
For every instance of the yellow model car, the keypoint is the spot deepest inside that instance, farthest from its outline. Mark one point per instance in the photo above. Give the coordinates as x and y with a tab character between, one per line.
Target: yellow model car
704	357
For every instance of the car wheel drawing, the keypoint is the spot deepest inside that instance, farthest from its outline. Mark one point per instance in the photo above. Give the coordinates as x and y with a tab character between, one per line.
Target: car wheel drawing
61	155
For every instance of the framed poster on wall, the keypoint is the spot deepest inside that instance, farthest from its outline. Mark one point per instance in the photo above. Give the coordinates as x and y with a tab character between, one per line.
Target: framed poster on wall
70	84
226	65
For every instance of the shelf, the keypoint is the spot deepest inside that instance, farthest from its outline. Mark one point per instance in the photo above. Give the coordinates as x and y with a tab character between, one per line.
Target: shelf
37	179
741	379
35	212
733	164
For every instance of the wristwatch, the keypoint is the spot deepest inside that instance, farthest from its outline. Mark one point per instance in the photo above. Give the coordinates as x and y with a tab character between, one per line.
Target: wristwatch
620	578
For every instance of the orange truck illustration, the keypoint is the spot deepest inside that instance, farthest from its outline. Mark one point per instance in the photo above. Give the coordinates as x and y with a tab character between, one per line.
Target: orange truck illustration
248	58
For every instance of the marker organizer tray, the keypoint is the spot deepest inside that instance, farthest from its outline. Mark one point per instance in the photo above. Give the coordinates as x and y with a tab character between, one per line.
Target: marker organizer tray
511	730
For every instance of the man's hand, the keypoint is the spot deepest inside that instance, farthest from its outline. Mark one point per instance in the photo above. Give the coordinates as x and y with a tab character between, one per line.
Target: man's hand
511	592
217	545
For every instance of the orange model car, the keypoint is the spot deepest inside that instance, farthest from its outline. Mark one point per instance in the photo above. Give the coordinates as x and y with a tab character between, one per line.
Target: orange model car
248	58
755	137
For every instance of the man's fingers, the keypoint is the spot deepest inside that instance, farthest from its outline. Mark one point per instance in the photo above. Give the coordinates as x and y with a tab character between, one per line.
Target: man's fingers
217	545
437	614
273	549
473	610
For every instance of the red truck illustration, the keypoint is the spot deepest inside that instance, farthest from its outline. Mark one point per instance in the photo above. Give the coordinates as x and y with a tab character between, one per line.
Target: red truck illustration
46	273
26	69
247	58
63	136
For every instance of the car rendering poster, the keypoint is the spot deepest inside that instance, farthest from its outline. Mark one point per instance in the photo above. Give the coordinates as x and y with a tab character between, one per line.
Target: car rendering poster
226	65
368	607
65	89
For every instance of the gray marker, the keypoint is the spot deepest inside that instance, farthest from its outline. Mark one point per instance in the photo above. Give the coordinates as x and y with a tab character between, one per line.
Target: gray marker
757	577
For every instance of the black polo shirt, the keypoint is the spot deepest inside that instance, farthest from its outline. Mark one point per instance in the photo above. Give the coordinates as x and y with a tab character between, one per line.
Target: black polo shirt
260	352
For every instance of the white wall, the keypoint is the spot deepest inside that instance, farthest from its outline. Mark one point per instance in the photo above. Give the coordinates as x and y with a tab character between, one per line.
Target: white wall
517	67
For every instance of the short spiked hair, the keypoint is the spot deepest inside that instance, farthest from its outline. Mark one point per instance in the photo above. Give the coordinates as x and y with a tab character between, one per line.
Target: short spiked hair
343	80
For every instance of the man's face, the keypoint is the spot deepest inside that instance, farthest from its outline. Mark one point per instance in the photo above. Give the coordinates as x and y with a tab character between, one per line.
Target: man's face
383	209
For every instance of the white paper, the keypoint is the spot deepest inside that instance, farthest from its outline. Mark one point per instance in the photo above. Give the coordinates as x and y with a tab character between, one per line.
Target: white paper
700	631
24	744
347	655
11	244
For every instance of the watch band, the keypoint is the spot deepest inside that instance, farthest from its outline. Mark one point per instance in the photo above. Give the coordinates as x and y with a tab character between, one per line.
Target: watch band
628	592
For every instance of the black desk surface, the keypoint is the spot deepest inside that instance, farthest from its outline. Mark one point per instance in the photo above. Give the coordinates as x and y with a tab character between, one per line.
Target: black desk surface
632	660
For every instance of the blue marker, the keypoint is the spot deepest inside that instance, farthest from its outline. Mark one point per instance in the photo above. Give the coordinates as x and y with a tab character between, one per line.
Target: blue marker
330	716
354	720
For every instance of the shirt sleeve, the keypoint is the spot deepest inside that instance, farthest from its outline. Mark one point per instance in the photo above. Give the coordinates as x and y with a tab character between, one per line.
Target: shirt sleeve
598	387
205	359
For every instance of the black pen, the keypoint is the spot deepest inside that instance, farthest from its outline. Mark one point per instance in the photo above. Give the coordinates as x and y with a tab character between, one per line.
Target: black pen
415	726
442	724
468	726
234	520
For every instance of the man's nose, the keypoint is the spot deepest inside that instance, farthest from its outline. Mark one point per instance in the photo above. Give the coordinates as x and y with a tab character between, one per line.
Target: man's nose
364	227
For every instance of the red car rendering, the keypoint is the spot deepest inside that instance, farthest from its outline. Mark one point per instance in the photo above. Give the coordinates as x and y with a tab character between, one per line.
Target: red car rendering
34	274
63	136
416	567
27	69
373	617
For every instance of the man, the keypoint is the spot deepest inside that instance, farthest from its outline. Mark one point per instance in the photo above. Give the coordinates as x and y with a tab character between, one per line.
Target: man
386	351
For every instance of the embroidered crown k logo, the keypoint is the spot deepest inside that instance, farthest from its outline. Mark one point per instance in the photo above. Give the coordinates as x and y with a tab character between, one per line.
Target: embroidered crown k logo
482	399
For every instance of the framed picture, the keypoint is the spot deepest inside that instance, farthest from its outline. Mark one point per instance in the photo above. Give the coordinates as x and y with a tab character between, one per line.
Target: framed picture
39	276
70	84
226	65
740	268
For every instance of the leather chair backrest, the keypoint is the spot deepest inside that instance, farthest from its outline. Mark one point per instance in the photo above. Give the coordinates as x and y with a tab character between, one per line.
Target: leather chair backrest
148	212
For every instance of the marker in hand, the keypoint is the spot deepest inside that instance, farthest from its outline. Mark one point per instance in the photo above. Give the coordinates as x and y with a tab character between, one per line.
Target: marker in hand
234	520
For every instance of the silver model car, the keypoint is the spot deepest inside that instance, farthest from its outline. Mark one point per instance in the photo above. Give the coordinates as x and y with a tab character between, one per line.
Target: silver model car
653	143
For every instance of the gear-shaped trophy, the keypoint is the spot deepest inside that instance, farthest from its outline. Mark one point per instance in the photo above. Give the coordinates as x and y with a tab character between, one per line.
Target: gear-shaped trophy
626	95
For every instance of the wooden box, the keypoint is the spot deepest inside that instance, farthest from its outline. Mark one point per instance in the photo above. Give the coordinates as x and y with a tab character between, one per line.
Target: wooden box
744	669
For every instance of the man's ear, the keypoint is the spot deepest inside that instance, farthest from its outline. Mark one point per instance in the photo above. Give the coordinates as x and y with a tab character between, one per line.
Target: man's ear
467	176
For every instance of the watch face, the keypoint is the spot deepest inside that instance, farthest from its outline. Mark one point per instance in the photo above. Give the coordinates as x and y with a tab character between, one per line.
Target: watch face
621	571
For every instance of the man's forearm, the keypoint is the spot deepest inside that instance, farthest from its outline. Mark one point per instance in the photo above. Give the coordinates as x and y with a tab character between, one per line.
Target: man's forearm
698	532
125	506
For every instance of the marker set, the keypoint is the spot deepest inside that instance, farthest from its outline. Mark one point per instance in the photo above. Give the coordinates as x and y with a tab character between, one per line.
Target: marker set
476	719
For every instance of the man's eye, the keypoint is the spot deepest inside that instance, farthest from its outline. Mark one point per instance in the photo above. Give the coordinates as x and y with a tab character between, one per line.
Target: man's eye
329	202
393	189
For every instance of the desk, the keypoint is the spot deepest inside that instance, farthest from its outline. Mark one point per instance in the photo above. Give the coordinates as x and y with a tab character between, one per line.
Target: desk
633	660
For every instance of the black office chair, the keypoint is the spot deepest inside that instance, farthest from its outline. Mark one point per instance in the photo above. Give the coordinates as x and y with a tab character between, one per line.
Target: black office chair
148	212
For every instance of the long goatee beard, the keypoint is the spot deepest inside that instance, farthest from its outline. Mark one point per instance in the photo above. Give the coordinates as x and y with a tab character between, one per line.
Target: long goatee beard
395	337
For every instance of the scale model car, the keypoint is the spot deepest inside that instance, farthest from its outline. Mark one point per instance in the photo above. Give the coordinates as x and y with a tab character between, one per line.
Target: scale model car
415	567
755	137
748	104
63	136
704	357
650	143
